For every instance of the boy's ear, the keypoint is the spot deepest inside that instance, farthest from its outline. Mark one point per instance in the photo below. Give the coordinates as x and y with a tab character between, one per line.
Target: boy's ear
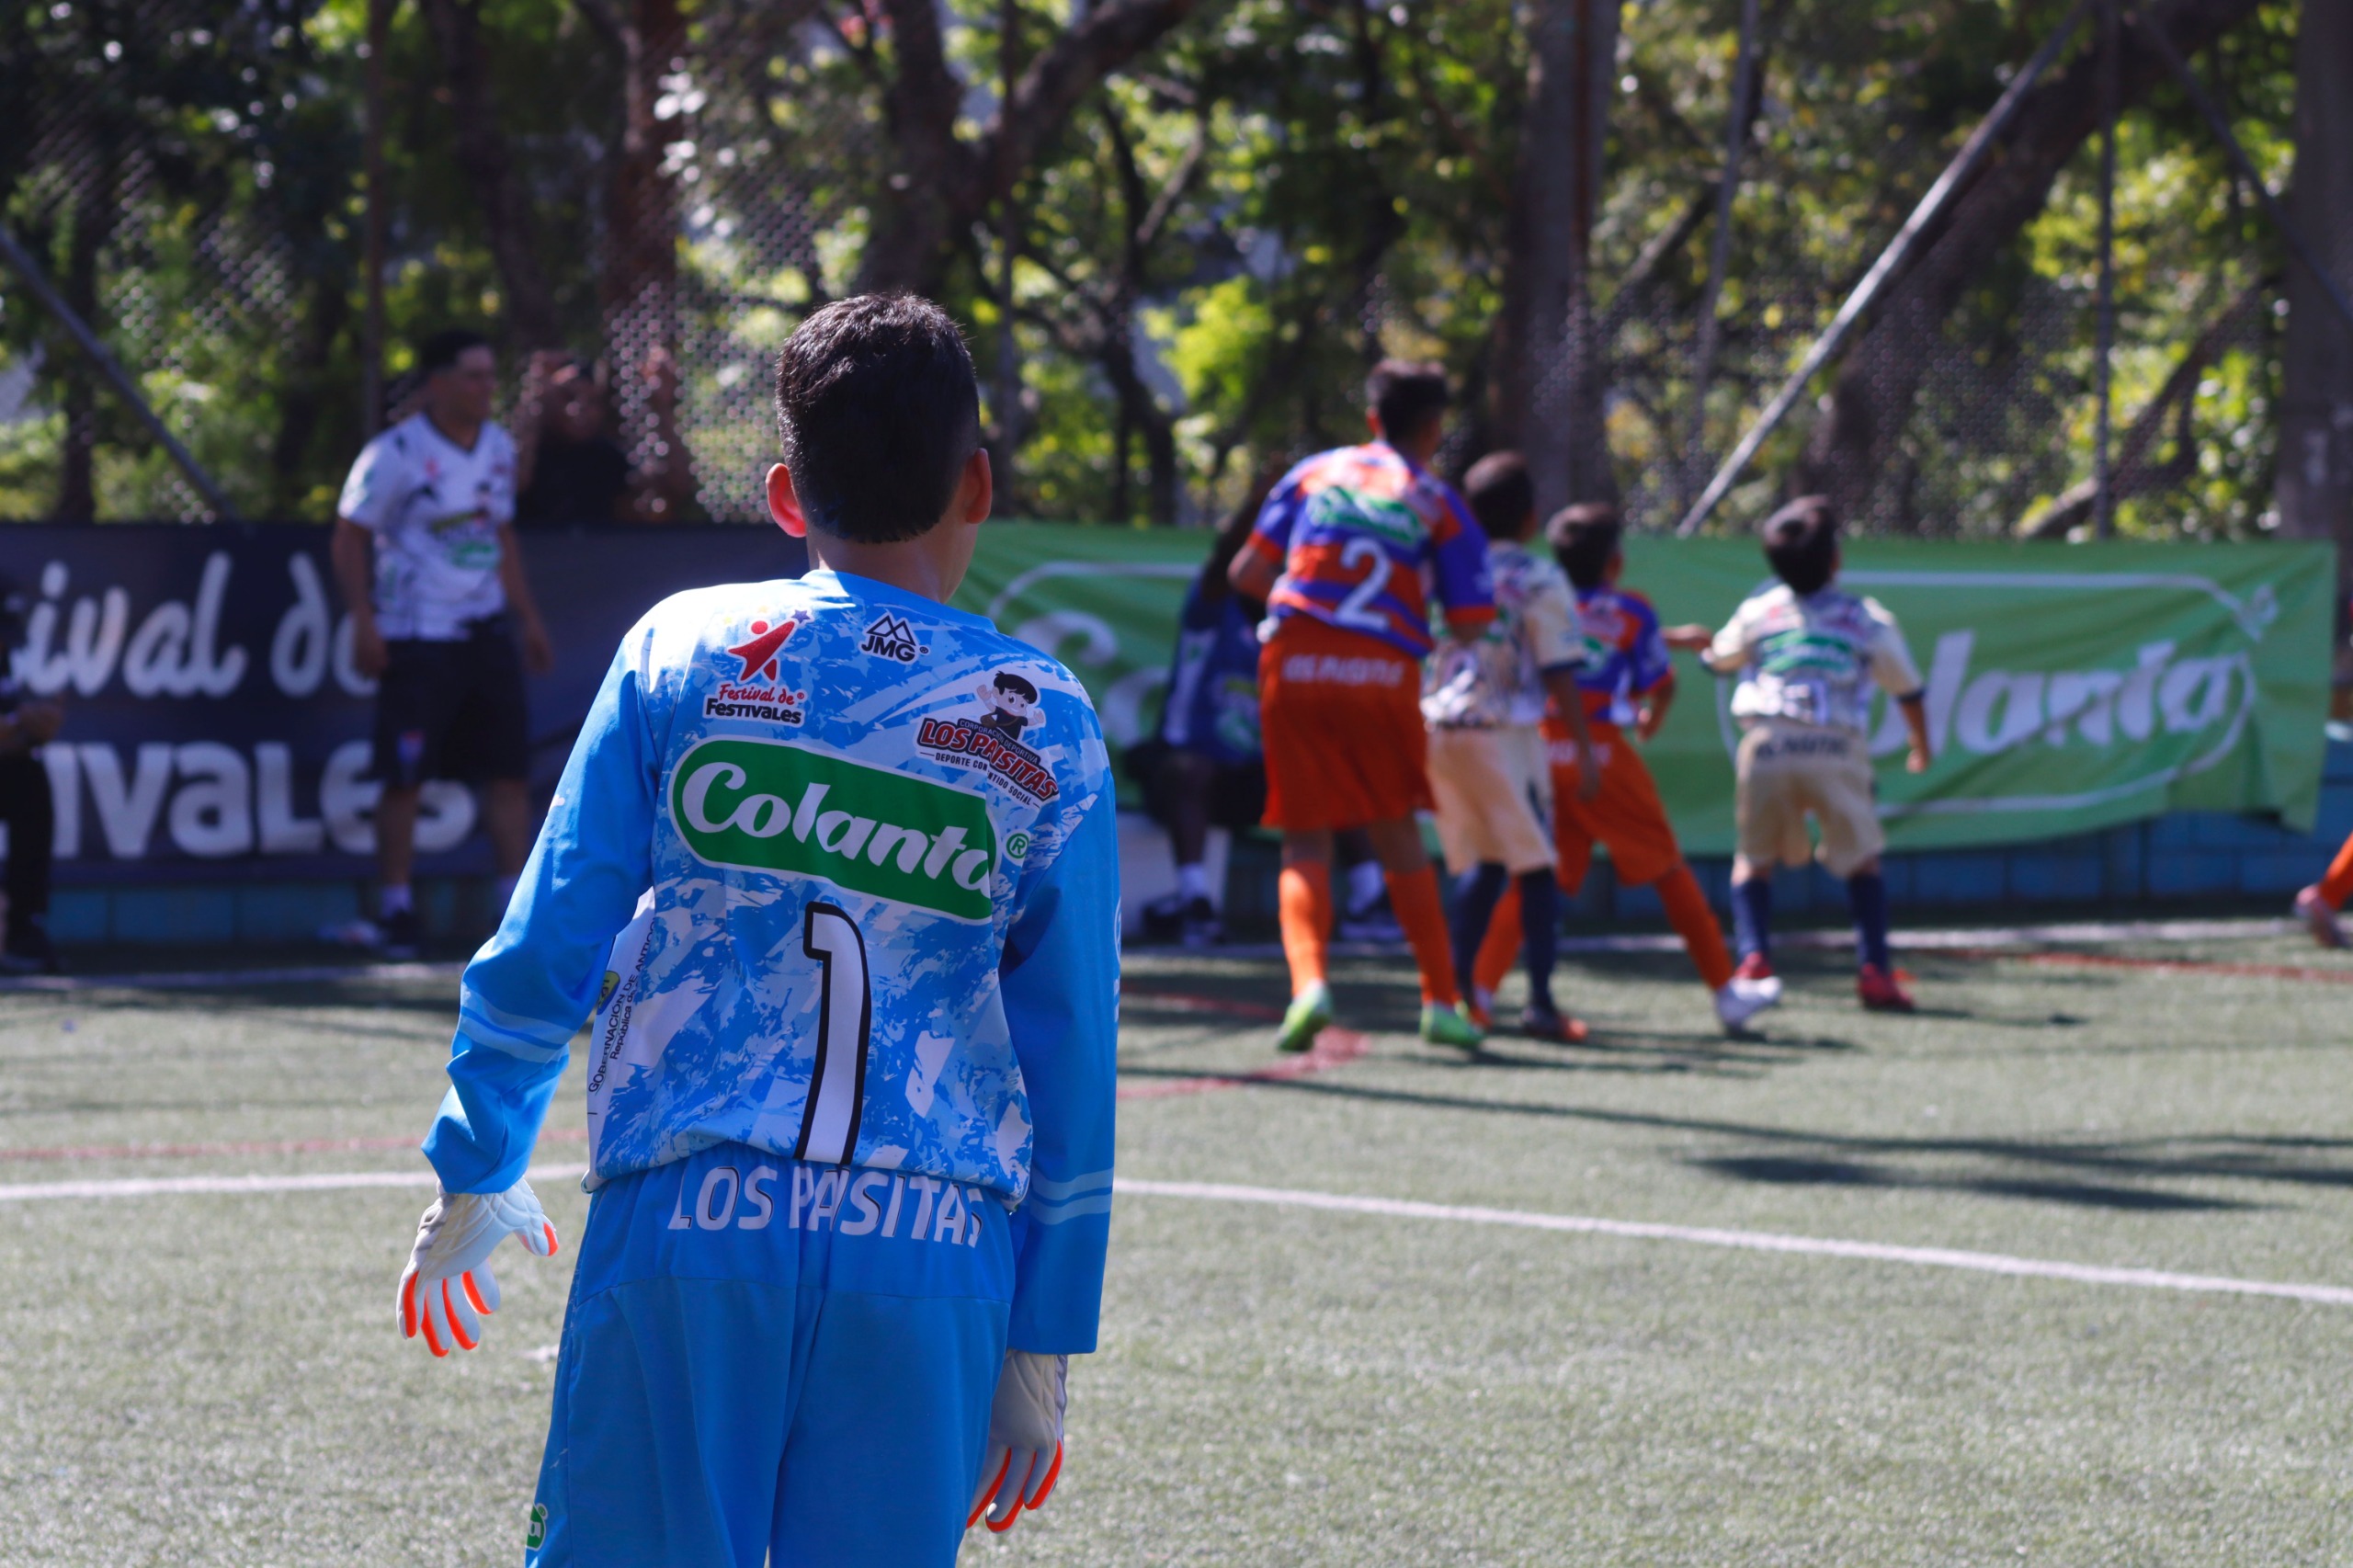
976	491
784	503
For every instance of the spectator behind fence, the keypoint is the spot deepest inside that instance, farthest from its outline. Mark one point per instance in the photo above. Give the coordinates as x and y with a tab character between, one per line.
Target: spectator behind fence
568	467
435	621
26	804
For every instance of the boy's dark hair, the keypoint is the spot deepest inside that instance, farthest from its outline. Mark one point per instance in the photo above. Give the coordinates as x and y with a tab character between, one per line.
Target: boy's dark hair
878	410
441	351
1408	395
1501	494
1802	543
1014	685
1585	540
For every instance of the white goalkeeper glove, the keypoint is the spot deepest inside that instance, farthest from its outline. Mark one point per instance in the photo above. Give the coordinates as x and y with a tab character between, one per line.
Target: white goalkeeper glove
448	1282
1024	1451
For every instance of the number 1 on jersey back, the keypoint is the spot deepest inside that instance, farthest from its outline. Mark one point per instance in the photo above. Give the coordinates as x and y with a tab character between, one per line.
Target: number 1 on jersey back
845	1020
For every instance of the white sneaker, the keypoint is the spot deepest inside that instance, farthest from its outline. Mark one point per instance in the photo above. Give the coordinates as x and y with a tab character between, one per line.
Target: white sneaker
1738	1000
363	934
2319	919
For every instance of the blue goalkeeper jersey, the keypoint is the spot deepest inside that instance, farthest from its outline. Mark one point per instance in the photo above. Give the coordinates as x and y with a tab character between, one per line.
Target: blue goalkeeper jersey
832	872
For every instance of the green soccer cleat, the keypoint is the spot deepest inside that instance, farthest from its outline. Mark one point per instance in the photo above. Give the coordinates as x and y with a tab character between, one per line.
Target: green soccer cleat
1310	1014
1443	1024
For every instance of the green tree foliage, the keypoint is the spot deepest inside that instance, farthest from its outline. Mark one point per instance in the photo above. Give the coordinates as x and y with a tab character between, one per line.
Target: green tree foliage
1177	250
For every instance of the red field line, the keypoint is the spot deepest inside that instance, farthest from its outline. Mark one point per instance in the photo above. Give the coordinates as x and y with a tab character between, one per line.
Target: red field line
1331	1048
2161	966
209	1151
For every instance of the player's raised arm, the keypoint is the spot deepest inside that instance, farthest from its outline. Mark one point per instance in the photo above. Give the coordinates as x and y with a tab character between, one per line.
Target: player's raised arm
523	997
1895	671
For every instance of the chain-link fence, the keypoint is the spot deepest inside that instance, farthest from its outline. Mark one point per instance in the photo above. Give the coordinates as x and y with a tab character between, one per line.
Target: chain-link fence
659	195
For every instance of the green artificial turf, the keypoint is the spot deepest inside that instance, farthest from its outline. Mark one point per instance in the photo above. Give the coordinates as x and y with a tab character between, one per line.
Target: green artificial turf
215	1378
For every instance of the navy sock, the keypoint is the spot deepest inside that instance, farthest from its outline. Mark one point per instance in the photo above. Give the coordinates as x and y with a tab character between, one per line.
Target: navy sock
1540	929
1867	897
1476	893
1752	916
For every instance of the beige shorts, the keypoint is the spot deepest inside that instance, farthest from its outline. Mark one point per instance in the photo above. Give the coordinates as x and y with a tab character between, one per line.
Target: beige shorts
1493	790
1786	771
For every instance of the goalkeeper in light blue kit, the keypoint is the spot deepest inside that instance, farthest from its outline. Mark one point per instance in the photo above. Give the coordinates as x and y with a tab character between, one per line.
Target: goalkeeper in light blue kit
835	867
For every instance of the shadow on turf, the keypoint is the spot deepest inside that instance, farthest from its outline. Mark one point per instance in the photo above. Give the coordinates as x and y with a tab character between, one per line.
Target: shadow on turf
1836	1159
1776	1171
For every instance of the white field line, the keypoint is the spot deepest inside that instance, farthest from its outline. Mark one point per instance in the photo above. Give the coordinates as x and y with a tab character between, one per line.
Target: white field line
1395	1207
157	1187
1751	1241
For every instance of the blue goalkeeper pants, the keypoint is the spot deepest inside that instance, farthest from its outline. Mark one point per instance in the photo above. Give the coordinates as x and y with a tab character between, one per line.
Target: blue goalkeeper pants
770	1362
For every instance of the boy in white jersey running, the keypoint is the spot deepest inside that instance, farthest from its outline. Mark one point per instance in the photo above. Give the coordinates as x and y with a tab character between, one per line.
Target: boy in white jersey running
849	925
1806	654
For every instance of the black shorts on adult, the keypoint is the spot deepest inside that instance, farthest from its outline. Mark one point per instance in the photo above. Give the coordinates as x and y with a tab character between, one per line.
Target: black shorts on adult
1235	791
452	711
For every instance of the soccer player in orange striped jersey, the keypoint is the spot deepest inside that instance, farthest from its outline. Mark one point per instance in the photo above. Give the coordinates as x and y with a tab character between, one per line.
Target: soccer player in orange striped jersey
1626	682
1342	553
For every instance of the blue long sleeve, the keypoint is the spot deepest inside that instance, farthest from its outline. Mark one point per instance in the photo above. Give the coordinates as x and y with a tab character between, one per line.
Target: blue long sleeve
532	984
1061	983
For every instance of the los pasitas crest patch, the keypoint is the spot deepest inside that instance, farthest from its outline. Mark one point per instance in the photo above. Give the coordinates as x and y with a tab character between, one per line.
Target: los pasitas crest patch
751	690
991	739
890	637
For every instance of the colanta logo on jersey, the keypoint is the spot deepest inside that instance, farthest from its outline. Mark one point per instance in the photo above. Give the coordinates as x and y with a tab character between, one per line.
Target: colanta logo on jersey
890	637
769	806
754	693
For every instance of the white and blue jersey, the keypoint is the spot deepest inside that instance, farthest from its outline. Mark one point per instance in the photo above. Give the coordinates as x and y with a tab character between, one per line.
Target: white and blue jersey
834	870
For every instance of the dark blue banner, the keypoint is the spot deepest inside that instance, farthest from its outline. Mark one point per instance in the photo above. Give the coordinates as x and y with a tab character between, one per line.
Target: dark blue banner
215	727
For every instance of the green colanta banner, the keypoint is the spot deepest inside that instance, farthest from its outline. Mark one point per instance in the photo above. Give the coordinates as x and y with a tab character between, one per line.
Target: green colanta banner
1103	600
2069	686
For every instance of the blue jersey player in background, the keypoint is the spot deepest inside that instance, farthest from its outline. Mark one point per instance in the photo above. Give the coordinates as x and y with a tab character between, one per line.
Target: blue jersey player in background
832	876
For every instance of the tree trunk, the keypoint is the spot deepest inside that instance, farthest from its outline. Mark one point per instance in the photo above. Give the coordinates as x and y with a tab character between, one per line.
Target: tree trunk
483	152
640	282
942	184
1855	447
92	222
2315	483
304	399
1552	368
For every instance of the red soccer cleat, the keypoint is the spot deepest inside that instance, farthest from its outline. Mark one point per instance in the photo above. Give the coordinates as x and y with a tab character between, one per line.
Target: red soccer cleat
1880	993
1756	966
1551	1024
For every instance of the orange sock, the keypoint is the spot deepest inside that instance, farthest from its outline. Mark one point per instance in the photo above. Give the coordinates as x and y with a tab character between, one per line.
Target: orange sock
1413	898
1501	950
2337	886
1687	912
1303	905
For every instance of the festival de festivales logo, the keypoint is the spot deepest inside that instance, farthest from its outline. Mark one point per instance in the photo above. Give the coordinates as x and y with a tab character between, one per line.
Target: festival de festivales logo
754	693
765	806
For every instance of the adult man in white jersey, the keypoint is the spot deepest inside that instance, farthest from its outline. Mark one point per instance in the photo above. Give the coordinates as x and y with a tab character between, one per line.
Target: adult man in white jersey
435	618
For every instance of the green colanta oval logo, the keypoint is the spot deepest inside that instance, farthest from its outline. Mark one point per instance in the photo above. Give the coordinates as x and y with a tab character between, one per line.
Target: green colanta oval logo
769	806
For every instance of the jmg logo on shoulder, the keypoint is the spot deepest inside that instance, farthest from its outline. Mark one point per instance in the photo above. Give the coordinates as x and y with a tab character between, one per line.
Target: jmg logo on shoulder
766	806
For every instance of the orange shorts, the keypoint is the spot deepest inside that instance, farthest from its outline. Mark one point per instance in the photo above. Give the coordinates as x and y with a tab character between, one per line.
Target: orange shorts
1342	718
1627	815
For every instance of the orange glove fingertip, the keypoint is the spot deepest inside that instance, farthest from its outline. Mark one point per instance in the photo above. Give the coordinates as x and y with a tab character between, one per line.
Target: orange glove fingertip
1053	1473
457	1329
